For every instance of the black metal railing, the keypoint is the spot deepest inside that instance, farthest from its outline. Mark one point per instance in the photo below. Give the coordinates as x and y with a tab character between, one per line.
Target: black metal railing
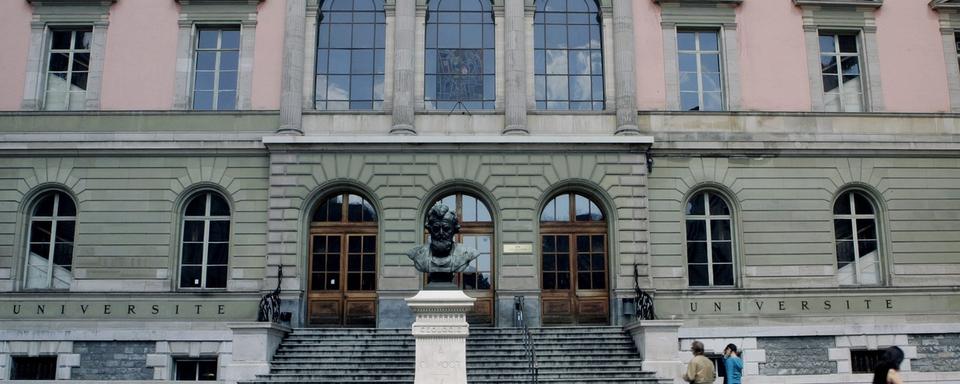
529	348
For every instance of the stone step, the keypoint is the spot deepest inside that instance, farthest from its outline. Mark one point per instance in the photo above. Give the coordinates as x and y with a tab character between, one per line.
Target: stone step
484	364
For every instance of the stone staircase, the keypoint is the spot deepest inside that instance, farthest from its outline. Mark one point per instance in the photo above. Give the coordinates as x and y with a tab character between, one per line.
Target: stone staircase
566	355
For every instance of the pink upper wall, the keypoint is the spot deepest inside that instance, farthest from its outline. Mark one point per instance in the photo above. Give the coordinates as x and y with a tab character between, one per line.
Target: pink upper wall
773	60
268	56
140	61
912	66
14	43
648	53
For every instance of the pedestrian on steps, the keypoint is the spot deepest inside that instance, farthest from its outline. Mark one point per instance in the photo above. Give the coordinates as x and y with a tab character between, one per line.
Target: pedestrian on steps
700	370
732	364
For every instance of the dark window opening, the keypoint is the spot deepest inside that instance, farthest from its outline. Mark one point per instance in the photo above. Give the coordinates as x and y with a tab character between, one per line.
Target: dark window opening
195	369
718	368
34	368
863	361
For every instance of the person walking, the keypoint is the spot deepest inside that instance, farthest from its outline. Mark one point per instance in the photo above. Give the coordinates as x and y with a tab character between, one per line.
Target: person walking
732	364
887	370
700	370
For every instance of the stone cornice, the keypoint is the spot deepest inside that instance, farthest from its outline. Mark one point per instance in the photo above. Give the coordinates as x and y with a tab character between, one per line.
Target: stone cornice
945	5
839	3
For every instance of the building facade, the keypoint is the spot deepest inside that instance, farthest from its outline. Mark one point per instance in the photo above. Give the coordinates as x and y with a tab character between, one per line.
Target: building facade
783	175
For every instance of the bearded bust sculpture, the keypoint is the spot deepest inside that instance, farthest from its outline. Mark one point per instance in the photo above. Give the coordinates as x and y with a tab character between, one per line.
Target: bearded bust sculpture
442	258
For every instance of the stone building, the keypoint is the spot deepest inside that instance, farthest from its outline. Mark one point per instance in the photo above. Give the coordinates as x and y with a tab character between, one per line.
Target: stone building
783	175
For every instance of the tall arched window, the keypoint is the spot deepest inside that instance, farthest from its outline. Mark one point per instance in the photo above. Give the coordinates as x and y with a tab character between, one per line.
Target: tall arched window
205	243
343	262
49	261
855	226
709	240
350	50
568	55
573	261
459	62
476	231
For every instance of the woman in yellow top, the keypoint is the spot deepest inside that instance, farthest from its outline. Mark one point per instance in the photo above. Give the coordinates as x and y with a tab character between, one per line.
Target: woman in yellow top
887	370
700	370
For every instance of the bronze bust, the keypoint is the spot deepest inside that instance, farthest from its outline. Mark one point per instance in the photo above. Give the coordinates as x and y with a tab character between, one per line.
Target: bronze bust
443	257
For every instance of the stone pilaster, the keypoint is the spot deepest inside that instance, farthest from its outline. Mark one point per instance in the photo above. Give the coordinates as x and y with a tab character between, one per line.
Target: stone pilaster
623	66
404	81
515	54
291	108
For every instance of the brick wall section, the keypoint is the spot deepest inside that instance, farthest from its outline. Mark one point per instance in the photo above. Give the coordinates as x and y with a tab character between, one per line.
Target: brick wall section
936	353
797	355
113	360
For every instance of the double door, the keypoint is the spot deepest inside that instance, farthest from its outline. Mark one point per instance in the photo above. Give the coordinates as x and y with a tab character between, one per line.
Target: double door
574	279
343	280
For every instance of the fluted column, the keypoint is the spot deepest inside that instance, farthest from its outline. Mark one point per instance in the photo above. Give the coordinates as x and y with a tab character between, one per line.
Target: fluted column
403	72
515	54
291	107
625	77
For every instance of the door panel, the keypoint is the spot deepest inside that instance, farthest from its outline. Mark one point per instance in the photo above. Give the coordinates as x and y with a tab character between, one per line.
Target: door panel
343	280
574	278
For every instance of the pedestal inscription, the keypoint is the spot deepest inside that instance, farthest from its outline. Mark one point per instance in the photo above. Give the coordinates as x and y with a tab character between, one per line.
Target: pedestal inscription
440	331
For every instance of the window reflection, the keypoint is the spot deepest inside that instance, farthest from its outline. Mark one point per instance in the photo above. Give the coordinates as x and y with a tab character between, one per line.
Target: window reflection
855	230
350	55
709	241
842	87
568	55
459	63
701	81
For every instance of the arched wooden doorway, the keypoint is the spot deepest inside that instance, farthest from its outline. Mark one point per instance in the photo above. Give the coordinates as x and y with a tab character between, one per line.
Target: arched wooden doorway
343	263
573	244
476	231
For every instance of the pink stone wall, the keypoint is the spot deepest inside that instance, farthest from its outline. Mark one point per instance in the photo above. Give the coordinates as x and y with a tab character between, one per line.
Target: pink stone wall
14	44
268	58
648	50
140	61
912	66
773	60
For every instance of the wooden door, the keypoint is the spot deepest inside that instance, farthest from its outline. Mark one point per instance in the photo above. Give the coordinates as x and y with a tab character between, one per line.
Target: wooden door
343	280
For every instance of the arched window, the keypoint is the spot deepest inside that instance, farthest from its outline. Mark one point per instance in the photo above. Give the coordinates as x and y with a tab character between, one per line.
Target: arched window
205	243
49	261
855	226
476	231
459	63
568	55
709	240
343	262
573	261
350	49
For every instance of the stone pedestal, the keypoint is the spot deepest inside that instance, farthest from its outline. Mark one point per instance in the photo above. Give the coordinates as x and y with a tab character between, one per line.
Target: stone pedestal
253	348
440	331
659	343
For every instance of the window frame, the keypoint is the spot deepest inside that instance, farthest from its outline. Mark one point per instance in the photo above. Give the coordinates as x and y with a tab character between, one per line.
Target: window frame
838	55
314	59
207	218
49	51
178	360
488	17
468	228
54	219
698	53
708	218
949	13
572	228
878	233
41	361
597	19
219	50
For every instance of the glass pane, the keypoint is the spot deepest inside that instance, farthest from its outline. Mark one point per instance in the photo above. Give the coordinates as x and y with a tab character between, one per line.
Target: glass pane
63	255
866	247
599	280
217	253
341	35
549	244
45	205
827	44
556	36
709	41
578	36
207	39
230	39
698	275
866	229
688	62
862	204
203	81
207	370
717	205
848	43
217	277
563	208
844	252
192	253
711	82
563	280
219	230
193	230
582	207
40	251
229	60
59	62
369	263
65	231
579	62
723	274
353	281
686	41
203	100
226	101
720	229
721	252
828	64
361	87
228	81
696	205
843	229
355	214
830	83
448	36
850	65
338	88
696	252
61	39
710	63
206	61
583	280
557	88
549	281
596	262
580	88
696	230
190	276
556	62
65	206
689	82
186	370
333	262
842	206
218	206
354	246
40	231
363	36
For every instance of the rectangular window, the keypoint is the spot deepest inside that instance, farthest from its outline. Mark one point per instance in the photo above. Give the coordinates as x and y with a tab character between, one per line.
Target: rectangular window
840	70
195	369
956	39
215	68
701	70
34	368
68	65
863	361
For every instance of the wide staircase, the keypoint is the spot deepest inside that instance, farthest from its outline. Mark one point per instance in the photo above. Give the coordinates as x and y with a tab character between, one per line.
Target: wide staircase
494	355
